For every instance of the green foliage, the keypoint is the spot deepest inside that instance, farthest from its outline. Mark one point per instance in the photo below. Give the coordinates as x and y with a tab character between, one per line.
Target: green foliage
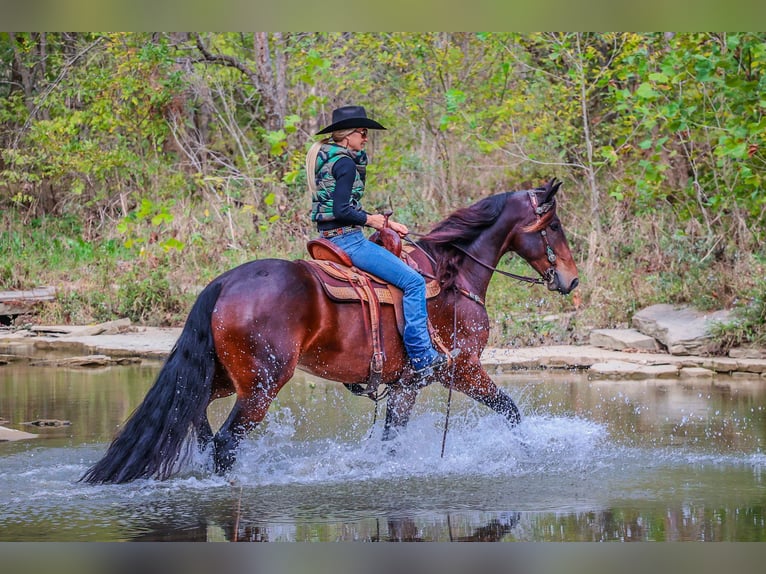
102	128
749	324
150	223
700	109
75	307
147	297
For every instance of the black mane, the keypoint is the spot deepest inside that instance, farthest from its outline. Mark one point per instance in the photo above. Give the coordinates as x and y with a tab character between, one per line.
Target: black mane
461	227
467	223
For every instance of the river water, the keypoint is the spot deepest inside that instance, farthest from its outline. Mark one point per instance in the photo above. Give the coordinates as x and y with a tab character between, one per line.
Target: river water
652	460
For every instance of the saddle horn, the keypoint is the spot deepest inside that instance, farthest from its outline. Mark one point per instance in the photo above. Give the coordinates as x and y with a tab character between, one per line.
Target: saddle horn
387	237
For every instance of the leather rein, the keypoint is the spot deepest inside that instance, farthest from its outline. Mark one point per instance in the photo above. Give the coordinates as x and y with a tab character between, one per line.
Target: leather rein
539	211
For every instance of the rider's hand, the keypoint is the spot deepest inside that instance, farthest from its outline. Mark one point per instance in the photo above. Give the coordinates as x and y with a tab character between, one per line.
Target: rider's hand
376	220
400	228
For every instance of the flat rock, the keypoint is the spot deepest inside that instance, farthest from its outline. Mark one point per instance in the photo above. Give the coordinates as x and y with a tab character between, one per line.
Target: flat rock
622	339
696	373
683	330
87	361
626	370
721	364
106	328
7	434
747	353
7	359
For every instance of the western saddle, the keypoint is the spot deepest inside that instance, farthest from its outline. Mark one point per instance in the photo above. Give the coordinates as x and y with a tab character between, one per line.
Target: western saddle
342	282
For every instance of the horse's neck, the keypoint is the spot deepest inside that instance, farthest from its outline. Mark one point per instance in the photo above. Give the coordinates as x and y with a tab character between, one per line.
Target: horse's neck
487	248
475	275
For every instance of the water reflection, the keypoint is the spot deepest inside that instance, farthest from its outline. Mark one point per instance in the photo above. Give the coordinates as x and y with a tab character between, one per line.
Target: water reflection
593	461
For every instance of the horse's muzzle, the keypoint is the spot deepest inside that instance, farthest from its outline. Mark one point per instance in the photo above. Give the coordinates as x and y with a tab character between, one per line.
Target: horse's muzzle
558	282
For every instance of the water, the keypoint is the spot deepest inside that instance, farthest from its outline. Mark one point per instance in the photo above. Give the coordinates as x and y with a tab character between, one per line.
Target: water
592	461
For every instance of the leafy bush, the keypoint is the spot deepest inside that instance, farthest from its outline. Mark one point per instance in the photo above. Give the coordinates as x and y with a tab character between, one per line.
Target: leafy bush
149	298
749	323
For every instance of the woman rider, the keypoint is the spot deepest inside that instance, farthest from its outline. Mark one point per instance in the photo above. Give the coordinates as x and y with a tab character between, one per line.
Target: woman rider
335	170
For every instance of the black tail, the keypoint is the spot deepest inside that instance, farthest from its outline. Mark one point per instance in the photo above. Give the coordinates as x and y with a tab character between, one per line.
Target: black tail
150	442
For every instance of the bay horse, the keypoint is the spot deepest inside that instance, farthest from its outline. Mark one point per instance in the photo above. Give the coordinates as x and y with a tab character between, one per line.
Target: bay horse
252	326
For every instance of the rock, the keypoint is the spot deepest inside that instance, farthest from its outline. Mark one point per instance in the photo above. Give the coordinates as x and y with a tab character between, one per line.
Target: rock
747	353
88	361
7	434
683	330
751	365
626	370
720	364
48	423
697	373
622	339
107	328
7	359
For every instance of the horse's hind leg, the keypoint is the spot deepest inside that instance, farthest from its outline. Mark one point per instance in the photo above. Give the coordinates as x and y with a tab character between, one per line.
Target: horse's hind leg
256	388
222	387
204	434
227	438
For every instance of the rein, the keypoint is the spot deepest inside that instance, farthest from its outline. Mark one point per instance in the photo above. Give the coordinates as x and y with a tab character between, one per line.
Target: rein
452	369
534	280
539	210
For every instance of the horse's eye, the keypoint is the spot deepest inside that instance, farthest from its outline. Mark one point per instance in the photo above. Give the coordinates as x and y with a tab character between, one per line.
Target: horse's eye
555	226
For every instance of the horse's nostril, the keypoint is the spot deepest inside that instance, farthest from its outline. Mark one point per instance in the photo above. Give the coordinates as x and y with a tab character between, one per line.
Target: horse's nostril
575	283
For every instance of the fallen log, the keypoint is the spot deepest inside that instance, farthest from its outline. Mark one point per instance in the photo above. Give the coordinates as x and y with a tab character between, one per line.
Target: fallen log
20	302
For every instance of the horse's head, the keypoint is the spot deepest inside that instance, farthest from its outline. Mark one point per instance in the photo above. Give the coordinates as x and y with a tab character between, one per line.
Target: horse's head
523	222
542	242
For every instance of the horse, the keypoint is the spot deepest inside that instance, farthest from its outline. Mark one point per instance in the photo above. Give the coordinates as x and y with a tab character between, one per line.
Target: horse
254	325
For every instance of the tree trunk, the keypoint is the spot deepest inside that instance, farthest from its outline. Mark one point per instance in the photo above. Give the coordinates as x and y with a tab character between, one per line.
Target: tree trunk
594	241
268	83
22	72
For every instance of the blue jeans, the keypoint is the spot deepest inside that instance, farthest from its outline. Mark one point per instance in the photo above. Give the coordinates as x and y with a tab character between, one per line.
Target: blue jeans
373	258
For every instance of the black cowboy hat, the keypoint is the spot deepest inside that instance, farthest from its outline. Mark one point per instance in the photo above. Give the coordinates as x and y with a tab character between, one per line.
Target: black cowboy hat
347	117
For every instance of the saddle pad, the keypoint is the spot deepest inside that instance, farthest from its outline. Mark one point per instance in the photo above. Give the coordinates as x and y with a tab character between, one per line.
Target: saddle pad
335	280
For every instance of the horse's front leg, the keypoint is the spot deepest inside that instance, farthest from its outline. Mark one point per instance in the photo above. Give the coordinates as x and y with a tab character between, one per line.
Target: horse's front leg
472	380
399	405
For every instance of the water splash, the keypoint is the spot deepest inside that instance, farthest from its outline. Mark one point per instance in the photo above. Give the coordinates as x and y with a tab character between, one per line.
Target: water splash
477	445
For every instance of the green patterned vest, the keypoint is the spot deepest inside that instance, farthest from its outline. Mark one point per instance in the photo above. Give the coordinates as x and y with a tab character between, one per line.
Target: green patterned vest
321	201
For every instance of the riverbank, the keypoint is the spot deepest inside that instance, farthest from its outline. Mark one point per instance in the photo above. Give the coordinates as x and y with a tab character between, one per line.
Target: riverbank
115	344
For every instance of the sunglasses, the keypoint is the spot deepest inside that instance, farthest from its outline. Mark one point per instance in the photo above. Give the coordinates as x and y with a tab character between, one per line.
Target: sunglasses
362	131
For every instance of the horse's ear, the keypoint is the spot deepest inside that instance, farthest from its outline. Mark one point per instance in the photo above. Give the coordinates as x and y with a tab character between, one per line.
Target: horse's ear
551	189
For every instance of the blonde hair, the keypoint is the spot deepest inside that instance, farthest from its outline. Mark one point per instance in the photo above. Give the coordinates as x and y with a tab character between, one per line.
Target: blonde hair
311	156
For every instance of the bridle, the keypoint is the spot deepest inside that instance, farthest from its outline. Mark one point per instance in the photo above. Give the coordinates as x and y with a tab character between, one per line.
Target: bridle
547	276
550	254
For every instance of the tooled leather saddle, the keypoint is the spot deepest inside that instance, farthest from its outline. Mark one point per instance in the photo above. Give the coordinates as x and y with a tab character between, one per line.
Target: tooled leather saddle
343	282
